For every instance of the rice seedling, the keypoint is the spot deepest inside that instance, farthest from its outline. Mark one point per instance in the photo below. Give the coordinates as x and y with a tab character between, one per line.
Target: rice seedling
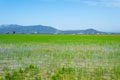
59	57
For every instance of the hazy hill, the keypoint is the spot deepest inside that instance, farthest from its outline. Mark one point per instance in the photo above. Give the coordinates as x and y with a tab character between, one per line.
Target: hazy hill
27	29
42	29
87	31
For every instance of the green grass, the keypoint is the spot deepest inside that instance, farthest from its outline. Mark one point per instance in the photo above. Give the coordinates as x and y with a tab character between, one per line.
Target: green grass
59	57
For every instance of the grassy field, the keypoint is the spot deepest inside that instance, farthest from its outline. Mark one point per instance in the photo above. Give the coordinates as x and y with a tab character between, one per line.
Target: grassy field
59	57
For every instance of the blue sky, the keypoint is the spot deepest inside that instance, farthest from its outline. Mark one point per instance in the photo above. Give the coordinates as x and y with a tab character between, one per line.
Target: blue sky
103	15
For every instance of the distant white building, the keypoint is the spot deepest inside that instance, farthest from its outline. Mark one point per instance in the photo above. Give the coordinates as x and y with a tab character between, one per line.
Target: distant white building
35	32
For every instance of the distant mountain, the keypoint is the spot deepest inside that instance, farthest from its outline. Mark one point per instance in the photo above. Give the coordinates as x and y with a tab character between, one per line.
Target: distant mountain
26	29
42	29
87	31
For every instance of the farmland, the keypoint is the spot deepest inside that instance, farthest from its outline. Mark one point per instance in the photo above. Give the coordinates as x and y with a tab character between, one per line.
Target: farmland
59	57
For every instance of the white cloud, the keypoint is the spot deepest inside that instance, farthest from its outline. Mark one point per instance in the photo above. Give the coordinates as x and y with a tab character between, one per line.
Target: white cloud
93	3
107	3
110	3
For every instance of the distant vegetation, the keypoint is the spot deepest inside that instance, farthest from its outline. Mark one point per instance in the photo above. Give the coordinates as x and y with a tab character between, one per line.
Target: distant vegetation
59	57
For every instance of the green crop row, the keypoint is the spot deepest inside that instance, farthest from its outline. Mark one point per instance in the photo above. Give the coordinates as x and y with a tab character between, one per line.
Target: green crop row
59	57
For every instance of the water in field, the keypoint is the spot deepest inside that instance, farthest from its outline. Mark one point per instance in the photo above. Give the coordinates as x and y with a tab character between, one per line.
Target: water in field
60	57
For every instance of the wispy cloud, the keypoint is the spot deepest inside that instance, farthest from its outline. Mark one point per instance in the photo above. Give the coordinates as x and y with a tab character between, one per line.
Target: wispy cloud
111	3
107	3
93	3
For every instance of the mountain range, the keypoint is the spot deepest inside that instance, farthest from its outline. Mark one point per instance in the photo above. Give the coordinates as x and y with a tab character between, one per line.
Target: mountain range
40	29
